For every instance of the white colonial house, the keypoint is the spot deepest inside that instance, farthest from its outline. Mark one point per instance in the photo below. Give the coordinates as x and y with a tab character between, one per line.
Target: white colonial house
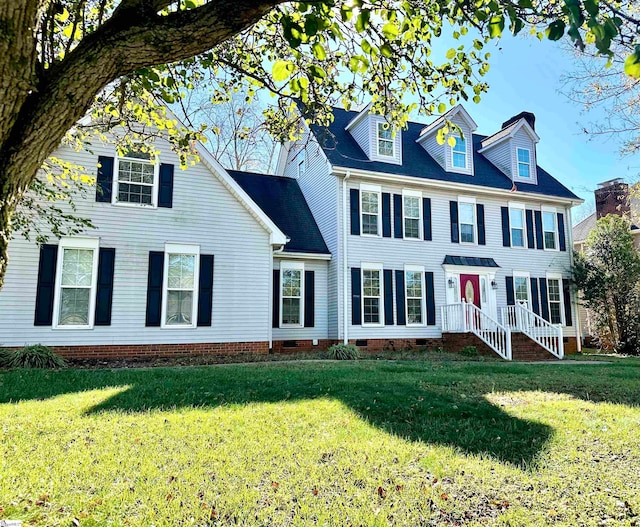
388	240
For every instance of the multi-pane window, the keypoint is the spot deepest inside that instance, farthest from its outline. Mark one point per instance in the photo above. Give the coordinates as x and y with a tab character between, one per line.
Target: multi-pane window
181	267
521	289
385	140
370	212
414	296
549	229
411	213
555	300
524	163
459	153
516	222
467	213
135	179
371	296
291	299
76	282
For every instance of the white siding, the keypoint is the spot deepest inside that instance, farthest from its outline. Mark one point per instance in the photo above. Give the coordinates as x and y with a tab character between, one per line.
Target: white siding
466	131
522	139
395	253
373	142
435	150
360	132
501	156
321	328
204	213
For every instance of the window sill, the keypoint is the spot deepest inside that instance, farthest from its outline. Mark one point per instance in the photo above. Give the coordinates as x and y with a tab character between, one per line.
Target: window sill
413	239
74	328
369	325
290	326
370	235
178	326
133	205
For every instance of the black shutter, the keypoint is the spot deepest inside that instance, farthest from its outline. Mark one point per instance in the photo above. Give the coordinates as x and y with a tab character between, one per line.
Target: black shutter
104	179
46	285
431	299
531	237
356	307
388	297
397	216
426	218
386	215
561	233
104	289
275	313
511	297
535	298
354	194
205	290
455	229
506	228
539	234
154	288
482	240
165	191
309	299
544	303
568	317
400	308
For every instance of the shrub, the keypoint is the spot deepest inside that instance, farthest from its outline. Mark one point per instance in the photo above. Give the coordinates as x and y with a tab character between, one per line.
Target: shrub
469	351
344	352
35	356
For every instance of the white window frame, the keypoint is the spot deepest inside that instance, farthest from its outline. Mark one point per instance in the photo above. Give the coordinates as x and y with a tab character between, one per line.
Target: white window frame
469	201
380	127
302	163
412	194
458	138
180	248
372	266
76	243
558	277
415	269
154	190
550	210
372	189
518	163
292	266
526	275
521	208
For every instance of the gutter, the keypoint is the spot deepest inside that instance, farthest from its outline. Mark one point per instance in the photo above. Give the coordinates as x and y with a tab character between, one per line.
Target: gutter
345	270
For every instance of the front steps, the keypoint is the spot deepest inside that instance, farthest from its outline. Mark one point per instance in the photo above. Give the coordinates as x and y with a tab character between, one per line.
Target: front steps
522	347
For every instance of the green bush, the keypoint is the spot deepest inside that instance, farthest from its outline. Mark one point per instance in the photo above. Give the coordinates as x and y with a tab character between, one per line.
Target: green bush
344	352
469	351
35	356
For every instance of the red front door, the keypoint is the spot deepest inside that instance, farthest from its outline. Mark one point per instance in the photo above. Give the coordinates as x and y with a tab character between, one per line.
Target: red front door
470	289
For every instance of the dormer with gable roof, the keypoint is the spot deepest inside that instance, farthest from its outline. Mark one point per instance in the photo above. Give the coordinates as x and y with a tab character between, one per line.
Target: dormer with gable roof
457	158
376	137
513	148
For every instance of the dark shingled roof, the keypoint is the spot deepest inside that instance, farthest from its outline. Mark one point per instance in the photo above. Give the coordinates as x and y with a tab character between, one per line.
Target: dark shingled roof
342	150
281	199
469	260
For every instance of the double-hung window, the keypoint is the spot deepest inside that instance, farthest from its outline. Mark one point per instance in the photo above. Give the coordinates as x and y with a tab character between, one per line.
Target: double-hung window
516	224
302	162
414	294
521	289
181	271
76	280
524	163
370	205
459	153
550	229
372	295
291	294
136	179
385	140
412	214
554	296
467	218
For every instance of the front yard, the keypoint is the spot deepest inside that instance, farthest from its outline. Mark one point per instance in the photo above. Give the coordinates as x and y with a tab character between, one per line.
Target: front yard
323	443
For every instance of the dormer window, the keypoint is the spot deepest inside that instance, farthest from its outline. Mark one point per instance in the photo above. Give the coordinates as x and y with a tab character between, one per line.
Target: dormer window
524	163
385	140
302	161
459	153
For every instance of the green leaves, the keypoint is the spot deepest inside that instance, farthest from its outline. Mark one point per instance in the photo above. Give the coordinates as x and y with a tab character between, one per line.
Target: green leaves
555	31
632	64
496	26
281	70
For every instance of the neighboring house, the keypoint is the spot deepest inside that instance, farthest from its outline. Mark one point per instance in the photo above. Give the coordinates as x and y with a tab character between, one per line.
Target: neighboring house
415	226
388	240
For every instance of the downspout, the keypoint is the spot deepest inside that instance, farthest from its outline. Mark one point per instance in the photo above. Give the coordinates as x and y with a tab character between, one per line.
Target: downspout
576	312
345	269
274	252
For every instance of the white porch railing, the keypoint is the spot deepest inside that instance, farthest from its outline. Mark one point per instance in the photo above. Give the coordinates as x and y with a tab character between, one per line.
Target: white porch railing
467	318
548	335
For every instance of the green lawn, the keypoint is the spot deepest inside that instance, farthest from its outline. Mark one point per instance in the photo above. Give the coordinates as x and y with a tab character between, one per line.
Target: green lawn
323	443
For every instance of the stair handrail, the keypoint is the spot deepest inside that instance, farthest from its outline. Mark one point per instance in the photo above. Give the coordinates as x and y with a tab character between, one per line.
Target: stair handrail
488	330
547	335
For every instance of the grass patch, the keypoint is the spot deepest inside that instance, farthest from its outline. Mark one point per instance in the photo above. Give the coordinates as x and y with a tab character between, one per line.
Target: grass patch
323	443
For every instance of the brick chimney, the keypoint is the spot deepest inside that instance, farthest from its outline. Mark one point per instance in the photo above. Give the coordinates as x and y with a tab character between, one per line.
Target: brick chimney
612	197
528	116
